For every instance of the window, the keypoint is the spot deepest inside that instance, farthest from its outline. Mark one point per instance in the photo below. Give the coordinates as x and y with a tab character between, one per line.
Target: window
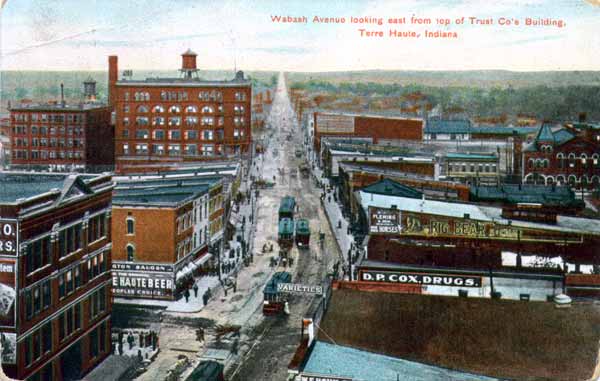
158	109
38	254
158	149
191	120
191	149
142	121
207	121
174	149
207	135
175	109
141	134
130	225
175	121
208	110
158	121
70	240
69	322
238	121
141	149
207	150
142	109
240	96
174	135
96	228
191	109
158	134
238	109
126	149
130	253
97	302
191	135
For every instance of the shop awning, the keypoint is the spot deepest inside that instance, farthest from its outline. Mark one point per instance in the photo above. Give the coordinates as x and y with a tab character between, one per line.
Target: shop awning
184	272
202	260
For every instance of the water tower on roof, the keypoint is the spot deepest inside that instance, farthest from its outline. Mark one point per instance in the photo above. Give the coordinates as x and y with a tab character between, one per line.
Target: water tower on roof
188	64
89	90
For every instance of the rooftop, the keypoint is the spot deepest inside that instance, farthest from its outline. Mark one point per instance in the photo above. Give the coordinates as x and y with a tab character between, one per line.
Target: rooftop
349	166
14	186
57	107
441	126
381	115
498	338
338	360
392	188
475	212
162	192
472	156
561	196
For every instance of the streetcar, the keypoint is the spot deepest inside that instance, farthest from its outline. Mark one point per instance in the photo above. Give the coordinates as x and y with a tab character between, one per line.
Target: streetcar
285	238
207	371
302	233
274	301
286	208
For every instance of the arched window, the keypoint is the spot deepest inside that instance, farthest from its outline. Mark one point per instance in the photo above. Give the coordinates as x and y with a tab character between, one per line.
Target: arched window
174	109
595	180
158	109
130	225
529	179
142	109
146	96
130	253
191	109
530	163
560	179
572	180
545	163
208	110
549	180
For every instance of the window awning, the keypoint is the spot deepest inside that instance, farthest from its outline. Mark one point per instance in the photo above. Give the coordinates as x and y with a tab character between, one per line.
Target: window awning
202	260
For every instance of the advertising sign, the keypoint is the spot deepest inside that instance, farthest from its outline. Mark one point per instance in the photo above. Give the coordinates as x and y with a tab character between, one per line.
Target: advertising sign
7	292
147	267
384	221
299	288
151	284
9	347
8	237
420	279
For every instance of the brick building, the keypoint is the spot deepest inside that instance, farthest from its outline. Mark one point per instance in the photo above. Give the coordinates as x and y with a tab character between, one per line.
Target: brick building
567	154
472	168
378	127
176	120
55	254
63	137
187	215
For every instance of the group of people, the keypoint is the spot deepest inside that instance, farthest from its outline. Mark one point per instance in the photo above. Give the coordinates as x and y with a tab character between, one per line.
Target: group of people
144	339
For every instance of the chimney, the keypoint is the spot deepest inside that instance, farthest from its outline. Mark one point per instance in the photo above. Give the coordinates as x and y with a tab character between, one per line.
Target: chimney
62	95
89	90
188	64
113	77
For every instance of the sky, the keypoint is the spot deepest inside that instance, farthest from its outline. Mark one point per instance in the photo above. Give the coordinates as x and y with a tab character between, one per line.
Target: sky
227	34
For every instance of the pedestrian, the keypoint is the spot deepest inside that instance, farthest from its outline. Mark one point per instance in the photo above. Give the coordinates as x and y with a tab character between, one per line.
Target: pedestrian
187	295
205	298
130	340
195	290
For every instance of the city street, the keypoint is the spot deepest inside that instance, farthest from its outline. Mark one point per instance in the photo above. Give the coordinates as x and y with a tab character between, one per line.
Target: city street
266	344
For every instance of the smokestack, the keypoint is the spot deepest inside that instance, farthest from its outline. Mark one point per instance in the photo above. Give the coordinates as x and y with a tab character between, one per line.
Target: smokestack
62	95
113	77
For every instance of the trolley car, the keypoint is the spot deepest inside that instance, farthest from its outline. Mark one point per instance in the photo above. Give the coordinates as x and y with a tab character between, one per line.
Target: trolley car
302	233
286	208
274	301
286	233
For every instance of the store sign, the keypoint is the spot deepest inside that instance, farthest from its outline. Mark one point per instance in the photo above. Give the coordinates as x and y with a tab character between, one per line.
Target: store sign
155	284
384	221
148	267
9	347
8	237
299	288
420	278
322	377
8	294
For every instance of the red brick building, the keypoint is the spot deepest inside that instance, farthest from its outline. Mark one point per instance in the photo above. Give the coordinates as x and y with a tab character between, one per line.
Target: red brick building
62	137
564	155
55	258
380	128
173	120
187	215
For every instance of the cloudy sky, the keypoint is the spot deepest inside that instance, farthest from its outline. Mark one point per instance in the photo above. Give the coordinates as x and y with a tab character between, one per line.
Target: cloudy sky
151	34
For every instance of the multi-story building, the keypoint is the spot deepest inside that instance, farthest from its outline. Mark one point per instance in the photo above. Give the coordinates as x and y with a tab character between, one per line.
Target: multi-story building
63	137
472	168
175	120
381	129
55	258
187	215
564	155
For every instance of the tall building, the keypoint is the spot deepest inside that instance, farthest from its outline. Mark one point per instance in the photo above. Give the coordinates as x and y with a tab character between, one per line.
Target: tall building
55	258
175	120
58	136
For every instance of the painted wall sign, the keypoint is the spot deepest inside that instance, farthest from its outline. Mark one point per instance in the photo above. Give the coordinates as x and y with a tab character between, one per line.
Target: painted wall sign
322	377
419	278
299	288
8	293
329	123
145	285
384	221
8	237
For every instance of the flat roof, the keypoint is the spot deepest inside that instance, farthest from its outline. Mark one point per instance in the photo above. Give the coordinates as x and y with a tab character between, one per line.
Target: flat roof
184	82
14	186
58	107
162	192
370	115
475	212
338	360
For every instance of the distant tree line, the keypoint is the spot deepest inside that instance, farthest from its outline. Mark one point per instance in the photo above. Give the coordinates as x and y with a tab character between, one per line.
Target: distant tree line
547	102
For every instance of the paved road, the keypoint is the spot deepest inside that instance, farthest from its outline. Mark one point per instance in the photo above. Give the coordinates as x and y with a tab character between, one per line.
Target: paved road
275	338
